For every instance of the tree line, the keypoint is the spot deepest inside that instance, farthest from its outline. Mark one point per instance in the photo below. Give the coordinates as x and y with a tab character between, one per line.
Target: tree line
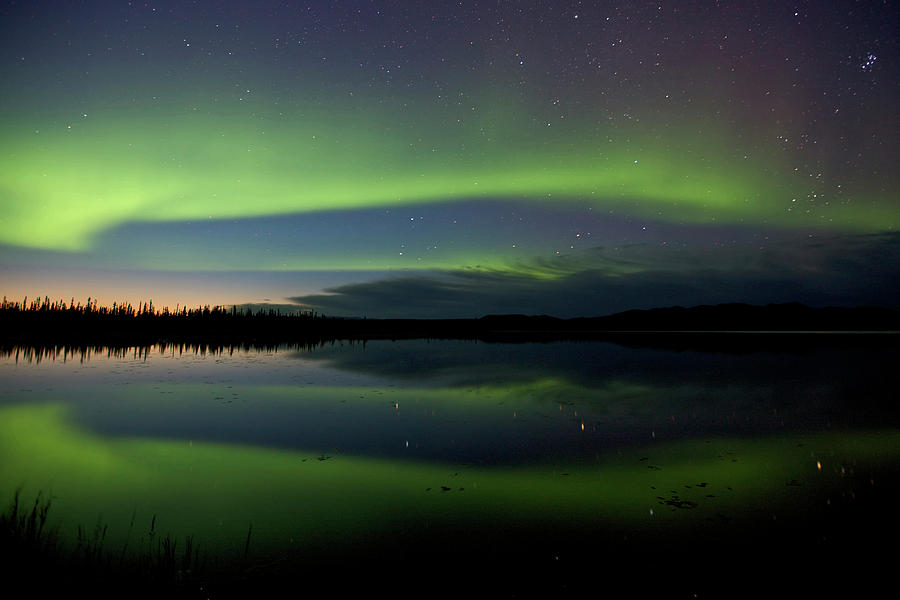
42	319
126	310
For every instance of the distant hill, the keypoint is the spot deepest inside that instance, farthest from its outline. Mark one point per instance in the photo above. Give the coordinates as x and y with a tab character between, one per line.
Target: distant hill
745	317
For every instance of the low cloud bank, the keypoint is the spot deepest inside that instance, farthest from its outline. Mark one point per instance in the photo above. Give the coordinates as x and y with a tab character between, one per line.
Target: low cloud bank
841	270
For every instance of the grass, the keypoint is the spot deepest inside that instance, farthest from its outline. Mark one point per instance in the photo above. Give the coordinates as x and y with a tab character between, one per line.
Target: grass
26	529
36	561
453	562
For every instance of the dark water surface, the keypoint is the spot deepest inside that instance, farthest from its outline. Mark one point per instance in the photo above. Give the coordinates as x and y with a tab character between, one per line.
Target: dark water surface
469	468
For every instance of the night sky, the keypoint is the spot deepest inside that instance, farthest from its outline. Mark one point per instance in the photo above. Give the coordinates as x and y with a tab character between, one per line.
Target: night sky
434	159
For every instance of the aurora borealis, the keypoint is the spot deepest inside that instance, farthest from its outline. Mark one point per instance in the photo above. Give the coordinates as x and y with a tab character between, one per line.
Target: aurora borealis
441	159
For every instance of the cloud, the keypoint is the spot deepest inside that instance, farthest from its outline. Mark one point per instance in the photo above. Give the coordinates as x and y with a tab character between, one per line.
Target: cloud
836	270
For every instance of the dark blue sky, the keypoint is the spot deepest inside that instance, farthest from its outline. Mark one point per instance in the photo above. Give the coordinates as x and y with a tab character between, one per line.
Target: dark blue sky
450	159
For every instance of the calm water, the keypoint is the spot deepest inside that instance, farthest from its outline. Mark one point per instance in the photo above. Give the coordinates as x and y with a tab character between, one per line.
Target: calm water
560	466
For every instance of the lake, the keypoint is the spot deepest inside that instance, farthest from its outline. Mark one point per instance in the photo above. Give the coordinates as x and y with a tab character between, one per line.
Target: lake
447	467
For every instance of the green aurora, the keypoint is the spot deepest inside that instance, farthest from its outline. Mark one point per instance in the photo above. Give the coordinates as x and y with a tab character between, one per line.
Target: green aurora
243	143
66	184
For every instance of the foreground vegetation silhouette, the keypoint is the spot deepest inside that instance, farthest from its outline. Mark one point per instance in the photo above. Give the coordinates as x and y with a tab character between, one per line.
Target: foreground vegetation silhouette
150	566
448	562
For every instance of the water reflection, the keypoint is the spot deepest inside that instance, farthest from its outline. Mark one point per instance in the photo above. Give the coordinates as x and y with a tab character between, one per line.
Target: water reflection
541	447
457	401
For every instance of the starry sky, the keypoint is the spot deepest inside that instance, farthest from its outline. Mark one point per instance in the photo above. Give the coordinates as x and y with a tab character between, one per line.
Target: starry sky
451	159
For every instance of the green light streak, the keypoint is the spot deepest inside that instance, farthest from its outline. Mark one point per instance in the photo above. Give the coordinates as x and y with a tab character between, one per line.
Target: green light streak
65	183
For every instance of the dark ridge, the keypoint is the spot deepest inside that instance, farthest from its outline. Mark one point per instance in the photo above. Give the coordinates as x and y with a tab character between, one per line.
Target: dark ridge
746	317
46	323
